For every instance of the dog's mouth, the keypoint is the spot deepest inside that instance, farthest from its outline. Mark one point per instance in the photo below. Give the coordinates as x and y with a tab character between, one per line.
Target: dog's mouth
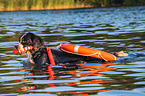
21	49
23	53
18	49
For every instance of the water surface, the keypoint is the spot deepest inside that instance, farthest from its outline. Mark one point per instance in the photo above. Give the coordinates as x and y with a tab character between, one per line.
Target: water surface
107	29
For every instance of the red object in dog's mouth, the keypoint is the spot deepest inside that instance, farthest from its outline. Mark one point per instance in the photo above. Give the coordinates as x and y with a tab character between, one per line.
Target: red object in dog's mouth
22	50
15	51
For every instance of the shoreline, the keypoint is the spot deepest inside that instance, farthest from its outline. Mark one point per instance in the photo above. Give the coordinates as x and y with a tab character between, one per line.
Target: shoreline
47	8
61	8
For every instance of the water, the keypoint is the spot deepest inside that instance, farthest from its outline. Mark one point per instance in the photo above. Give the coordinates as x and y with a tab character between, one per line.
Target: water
107	29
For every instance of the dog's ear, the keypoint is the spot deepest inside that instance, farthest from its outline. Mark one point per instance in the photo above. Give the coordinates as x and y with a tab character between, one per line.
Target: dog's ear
36	41
33	40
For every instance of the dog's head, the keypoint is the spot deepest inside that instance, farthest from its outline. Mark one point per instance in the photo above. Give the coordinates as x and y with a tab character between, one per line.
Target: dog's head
30	39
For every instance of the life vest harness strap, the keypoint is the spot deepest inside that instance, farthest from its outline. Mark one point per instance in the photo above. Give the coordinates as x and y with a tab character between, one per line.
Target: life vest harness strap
50	56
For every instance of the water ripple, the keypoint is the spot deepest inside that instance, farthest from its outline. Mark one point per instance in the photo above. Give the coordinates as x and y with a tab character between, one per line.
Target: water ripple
107	29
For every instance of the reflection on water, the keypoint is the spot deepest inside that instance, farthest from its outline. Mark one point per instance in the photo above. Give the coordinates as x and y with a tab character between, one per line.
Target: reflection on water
80	79
83	78
107	29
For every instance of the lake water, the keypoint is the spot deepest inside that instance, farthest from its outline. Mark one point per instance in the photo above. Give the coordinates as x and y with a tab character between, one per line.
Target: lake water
107	29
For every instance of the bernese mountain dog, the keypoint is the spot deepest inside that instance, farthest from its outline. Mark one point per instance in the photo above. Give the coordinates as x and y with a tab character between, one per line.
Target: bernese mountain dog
38	54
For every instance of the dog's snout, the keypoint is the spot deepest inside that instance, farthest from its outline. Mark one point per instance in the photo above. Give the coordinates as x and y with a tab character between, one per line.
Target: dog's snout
19	46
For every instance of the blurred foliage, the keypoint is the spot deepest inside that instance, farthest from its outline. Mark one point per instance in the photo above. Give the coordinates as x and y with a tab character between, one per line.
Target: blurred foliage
10	5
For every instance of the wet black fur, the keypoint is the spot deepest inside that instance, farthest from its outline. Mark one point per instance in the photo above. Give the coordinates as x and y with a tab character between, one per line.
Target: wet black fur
39	53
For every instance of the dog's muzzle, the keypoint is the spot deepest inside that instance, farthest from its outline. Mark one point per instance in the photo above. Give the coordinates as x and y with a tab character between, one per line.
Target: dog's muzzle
21	49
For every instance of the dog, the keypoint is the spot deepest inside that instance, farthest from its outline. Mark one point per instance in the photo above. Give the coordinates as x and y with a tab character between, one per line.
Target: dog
38	54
